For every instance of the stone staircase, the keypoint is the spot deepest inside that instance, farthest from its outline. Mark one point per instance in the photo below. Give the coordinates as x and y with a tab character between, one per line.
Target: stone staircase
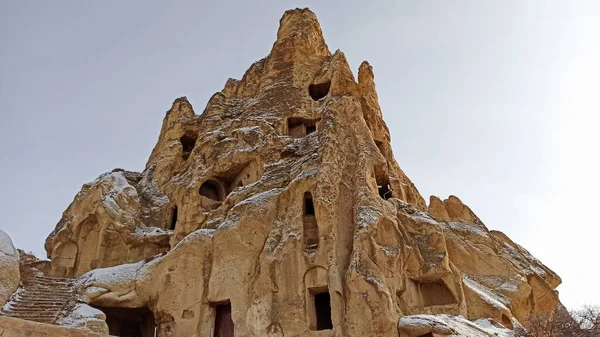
40	299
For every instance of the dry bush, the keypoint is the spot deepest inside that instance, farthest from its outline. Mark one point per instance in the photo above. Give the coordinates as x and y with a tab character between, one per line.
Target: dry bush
584	322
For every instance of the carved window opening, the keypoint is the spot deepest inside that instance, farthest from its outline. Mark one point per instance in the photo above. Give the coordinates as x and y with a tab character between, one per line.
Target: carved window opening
212	190
223	322
434	292
299	127
130	322
215	190
383	187
322	306
309	206
187	144
311	229
319	90
310	128
242	175
173	218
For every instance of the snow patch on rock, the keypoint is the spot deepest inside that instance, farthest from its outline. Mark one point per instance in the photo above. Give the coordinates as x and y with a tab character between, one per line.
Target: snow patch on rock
447	325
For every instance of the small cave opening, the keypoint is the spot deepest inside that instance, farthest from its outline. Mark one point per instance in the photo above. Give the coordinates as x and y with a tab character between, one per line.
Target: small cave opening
173	218
310	226
435	292
310	128
319	90
383	188
216	189
188	142
299	127
223	322
212	190
382	181
130	322
322	305
309	206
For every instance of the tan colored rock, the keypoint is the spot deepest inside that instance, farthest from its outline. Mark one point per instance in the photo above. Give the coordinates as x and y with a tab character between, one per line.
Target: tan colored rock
9	268
437	209
113	220
283	199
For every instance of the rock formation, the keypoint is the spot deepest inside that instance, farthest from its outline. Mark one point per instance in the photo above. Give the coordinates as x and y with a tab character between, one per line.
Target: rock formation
280	210
9	268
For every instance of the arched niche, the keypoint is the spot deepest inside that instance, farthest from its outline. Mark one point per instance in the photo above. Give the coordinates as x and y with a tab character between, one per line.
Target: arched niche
319	90
188	142
246	175
299	127
382	182
317	299
64	257
212	193
213	189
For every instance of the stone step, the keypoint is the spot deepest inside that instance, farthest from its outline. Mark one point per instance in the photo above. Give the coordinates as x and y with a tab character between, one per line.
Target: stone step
41	299
34	304
44	296
37	304
28	315
35	310
49	292
34	307
50	279
47	286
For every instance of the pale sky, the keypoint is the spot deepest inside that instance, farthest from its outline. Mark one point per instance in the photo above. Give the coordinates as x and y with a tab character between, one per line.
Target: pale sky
495	102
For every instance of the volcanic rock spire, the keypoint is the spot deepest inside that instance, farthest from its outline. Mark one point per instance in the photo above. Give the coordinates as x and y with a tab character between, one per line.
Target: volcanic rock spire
279	210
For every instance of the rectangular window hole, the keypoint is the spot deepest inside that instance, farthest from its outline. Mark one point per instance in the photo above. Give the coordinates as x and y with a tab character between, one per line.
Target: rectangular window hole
322	302
223	321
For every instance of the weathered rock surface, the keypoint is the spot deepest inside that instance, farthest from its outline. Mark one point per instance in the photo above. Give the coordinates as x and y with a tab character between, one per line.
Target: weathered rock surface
9	268
110	222
283	199
445	325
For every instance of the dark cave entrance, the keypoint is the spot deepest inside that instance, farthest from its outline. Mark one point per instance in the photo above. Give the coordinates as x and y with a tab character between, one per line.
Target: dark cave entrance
187	143
323	310
311	228
319	90
212	190
130	322
223	322
173	218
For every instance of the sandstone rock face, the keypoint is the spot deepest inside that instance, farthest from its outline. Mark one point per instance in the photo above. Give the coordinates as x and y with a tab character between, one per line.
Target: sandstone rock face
281	211
9	268
113	220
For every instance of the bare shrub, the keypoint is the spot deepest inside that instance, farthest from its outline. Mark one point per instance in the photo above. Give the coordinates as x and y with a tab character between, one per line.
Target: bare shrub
584	322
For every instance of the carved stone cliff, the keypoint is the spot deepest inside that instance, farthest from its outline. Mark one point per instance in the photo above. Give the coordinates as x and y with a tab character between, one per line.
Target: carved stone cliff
280	210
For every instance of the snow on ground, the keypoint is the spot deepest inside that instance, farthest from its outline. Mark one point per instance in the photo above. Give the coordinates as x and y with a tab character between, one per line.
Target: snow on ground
81	315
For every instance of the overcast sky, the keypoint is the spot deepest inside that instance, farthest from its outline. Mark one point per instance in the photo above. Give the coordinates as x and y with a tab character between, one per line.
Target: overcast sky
495	102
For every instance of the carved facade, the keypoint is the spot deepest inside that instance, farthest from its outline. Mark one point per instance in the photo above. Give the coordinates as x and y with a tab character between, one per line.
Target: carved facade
279	210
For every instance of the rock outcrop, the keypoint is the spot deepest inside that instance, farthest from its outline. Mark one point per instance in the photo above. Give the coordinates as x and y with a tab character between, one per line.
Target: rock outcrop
281	211
9	268
111	221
